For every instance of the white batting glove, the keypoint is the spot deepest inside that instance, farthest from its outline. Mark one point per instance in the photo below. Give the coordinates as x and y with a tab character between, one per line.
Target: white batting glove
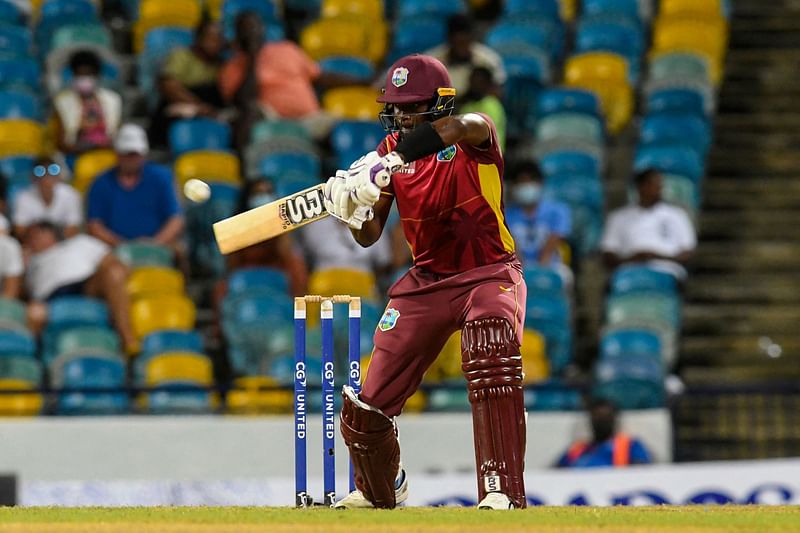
339	204
369	174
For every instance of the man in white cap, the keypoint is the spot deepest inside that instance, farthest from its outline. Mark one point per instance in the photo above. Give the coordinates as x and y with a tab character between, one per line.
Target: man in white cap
136	199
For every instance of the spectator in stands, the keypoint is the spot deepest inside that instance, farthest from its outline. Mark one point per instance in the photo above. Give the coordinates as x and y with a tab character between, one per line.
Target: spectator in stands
48	199
11	267
274	80
87	116
188	81
481	97
461	54
77	265
540	226
4	225
135	200
608	447
651	232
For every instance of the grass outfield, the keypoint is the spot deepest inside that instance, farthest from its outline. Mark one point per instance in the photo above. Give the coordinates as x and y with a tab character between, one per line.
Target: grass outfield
269	519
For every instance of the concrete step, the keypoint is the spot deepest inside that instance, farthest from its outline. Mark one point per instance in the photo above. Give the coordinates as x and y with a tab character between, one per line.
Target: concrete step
722	318
748	288
731	218
772	355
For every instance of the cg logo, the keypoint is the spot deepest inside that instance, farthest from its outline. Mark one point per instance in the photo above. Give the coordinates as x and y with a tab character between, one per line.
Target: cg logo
355	371
300	373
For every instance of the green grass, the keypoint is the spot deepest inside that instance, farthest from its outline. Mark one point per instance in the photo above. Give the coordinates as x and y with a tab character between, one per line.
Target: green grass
540	519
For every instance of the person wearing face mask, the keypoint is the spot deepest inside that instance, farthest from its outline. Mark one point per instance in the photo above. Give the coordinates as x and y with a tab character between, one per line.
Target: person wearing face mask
539	225
87	116
48	199
608	446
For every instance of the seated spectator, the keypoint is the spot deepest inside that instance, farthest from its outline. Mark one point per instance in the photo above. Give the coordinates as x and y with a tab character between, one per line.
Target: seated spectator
462	53
87	116
11	267
608	447
539	225
274	80
481	97
4	225
650	232
77	265
188	81
48	199
136	199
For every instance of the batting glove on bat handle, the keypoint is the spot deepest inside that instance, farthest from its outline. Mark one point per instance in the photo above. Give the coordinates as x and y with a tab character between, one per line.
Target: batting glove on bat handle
381	172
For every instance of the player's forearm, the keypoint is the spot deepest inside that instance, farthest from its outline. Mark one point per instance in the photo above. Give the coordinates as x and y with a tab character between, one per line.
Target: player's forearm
369	233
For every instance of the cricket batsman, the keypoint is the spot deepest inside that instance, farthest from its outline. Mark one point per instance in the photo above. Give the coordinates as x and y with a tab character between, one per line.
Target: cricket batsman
445	173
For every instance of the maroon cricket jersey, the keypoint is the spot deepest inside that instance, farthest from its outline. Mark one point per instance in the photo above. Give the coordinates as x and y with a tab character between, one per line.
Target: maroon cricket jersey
451	206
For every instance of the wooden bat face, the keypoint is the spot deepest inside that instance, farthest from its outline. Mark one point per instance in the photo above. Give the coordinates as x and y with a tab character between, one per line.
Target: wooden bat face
270	220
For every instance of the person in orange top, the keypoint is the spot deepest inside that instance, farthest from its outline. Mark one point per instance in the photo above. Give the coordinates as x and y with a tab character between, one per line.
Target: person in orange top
274	79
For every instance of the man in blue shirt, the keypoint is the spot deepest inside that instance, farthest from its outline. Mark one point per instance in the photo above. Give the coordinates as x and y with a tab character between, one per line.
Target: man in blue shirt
539	225
136	199
608	447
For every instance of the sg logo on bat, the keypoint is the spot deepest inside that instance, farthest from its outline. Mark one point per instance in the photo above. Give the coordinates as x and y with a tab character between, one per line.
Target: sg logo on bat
302	208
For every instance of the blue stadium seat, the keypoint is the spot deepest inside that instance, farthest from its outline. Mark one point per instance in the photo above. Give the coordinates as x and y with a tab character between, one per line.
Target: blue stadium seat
21	367
656	308
15	41
178	398
527	73
634	278
585	197
17	343
543	282
282	368
293	183
170	341
551	318
18	104
67	312
60	8
58	13
429	8
417	36
356	67
16	167
569	162
552	395
90	371
671	159
282	165
630	382
671	128
609	36
563	99
510	35
93	403
677	100
248	281
625	8
203	251
631	343
352	139
199	134
158	43
20	73
561	130
527	8
11	14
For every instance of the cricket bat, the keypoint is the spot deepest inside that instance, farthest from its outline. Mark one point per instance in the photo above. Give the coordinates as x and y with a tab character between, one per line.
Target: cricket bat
270	220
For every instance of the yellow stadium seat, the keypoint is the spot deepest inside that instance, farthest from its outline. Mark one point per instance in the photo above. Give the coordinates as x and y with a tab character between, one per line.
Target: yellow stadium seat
162	312
352	103
534	358
703	9
605	74
22	404
448	364
91	164
208	165
568	9
214	8
156	13
21	137
345	36
149	281
416	403
365	8
343	281
707	38
186	367
257	395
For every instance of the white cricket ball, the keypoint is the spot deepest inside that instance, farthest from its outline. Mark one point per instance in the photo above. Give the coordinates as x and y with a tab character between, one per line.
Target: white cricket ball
196	190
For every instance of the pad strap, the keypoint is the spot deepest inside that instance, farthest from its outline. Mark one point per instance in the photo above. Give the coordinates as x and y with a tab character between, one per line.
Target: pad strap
371	438
492	365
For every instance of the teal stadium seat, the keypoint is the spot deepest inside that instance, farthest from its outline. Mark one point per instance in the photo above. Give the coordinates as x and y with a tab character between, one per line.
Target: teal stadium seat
15	41
136	254
11	14
198	134
68	312
250	281
17	343
203	251
21	367
12	314
19	104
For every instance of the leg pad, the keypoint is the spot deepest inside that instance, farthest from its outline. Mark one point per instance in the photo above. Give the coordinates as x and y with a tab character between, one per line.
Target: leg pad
374	449
492	365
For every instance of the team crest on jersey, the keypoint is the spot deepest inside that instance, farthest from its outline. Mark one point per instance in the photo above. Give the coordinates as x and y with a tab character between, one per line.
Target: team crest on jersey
389	319
400	76
447	154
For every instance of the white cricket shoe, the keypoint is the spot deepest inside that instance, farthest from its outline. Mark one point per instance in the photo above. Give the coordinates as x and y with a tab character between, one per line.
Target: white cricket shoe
356	500
496	500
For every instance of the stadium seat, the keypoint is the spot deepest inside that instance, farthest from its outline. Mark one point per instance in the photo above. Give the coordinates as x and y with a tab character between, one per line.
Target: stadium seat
158	43
198	134
343	281
26	402
15	41
352	139
256	395
530	8
208	165
568	99
156	13
569	162
451	397
87	340
20	137
69	312
550	318
603	35
429	8
21	367
681	191
418	35
372	9
171	341
634	278
701	10
671	65
671	128
706	37
137	254
630	382
178	398
543	282
652	308
293	183
622	8
552	395
91	164
564	127
267	11
276	131
252	346
527	73
280	166
17	169
605	74
179	366
671	159
630	343
162	312
153	281
21	73
535	366
93	403
352	103
341	36
515	34
204	254
15	104
585	197
11	14
680	99
355	67
12	314
255	279
17	343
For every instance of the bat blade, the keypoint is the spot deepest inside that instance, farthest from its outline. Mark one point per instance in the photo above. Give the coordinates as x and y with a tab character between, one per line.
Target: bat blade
270	220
